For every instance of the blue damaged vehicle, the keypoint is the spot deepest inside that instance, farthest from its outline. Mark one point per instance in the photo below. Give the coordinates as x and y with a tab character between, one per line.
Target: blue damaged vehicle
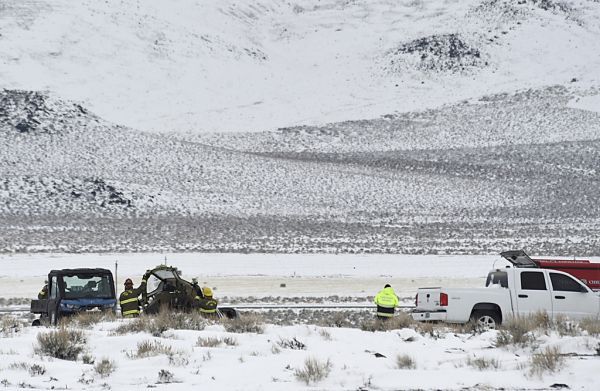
71	291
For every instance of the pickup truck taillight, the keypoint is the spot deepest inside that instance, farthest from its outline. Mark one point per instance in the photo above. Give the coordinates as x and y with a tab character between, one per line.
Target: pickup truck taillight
417	300
443	299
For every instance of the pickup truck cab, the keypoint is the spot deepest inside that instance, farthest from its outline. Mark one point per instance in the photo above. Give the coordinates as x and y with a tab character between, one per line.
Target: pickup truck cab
514	291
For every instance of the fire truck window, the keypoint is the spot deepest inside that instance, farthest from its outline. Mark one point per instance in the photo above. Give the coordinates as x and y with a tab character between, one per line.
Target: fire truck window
560	282
533	281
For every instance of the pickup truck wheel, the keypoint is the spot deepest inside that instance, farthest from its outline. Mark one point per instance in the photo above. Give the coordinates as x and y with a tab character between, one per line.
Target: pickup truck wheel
486	320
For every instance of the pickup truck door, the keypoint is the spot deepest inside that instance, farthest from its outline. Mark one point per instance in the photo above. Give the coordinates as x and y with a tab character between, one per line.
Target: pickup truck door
532	293
571	298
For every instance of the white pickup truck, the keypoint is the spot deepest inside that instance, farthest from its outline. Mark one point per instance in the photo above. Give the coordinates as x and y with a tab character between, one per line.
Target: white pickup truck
514	291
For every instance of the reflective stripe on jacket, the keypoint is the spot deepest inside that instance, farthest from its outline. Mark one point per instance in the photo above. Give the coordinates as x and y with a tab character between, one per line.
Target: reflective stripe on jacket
130	305
207	305
386	298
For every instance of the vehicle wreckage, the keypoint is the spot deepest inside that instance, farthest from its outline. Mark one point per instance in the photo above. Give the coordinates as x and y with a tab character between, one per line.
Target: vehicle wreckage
166	289
72	291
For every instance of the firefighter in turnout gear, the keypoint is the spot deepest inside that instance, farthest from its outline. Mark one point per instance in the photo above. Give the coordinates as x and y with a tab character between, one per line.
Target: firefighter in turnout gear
130	305
207	305
44	292
386	301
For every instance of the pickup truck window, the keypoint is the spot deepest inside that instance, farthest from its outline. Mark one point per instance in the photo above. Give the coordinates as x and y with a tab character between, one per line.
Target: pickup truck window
560	282
497	278
533	281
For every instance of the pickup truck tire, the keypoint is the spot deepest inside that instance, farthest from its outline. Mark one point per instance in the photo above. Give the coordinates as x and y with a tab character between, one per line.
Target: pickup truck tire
486	319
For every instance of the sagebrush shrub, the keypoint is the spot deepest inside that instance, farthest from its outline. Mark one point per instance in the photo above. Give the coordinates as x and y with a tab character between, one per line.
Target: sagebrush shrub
548	360
313	370
178	360
149	348
483	363
404	361
165	376
212	342
209	342
565	326
399	321
250	323
591	326
63	343
33	369
292	343
36	370
10	325
230	341
541	319
105	367
165	320
87	319
517	331
88	359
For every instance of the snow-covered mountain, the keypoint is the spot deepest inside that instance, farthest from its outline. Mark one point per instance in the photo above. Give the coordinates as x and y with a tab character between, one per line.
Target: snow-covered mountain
376	126
203	65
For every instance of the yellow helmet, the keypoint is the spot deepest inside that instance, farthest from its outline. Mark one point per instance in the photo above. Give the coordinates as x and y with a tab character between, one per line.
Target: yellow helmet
206	291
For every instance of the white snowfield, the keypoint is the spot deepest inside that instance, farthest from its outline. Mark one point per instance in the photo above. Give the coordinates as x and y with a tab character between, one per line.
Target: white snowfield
444	360
230	65
22	275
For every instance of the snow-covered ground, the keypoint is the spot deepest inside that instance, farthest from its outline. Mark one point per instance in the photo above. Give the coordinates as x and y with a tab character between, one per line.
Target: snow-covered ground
438	358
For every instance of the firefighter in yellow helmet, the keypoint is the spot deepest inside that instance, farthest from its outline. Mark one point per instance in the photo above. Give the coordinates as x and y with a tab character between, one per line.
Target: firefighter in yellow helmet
43	294
130	305
207	304
386	301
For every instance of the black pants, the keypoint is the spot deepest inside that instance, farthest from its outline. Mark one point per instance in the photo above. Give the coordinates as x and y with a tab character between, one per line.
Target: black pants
383	311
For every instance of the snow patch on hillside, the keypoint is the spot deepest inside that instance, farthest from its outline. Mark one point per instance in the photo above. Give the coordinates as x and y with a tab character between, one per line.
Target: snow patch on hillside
590	103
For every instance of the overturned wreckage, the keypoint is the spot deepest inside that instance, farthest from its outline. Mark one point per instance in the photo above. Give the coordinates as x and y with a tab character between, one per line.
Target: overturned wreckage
167	290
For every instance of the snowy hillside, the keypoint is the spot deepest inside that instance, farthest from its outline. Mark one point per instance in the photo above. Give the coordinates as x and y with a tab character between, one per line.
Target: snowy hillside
363	126
259	65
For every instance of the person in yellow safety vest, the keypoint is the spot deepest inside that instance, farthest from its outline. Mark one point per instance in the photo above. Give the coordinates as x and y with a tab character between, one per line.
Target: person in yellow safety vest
130	305
43	294
207	305
386	301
